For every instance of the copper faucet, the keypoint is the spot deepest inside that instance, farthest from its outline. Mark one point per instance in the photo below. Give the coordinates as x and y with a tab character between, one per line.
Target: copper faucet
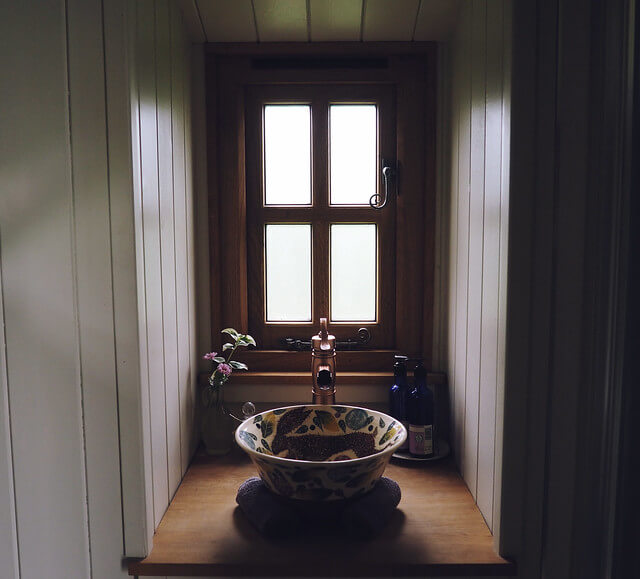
323	365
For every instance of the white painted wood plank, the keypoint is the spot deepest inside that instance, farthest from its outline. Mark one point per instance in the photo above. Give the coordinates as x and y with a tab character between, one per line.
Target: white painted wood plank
178	57
128	295
490	261
191	275
167	241
201	206
453	239
476	225
502	298
38	292
281	20
436	20
389	19
228	20
442	141
146	67
8	529
462	259
192	21
335	20
94	288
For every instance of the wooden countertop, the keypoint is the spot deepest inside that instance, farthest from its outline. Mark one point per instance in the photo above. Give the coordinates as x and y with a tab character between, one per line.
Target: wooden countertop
436	530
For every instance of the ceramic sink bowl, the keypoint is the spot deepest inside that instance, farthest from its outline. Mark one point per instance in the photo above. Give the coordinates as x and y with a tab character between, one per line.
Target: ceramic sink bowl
320	453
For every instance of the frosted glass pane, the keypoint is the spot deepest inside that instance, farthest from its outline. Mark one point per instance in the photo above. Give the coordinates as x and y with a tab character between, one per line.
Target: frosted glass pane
353	153
287	154
288	267
353	273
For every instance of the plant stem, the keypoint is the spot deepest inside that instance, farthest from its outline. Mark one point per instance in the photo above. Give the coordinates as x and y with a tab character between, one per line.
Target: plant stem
235	347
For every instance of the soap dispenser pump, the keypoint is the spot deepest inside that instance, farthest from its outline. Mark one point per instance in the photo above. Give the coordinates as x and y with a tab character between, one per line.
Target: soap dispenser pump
323	365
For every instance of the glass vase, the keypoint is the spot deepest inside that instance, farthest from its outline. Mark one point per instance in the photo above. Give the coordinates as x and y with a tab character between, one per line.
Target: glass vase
217	424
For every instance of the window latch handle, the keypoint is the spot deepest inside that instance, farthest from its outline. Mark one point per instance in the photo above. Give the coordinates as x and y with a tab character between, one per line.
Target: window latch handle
363	337
389	174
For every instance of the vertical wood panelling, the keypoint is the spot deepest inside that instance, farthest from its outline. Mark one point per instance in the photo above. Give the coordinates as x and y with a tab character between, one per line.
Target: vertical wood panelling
502	300
461	260
94	286
476	226
40	316
201	205
165	227
123	151
143	347
164	115
191	274
451	349
490	261
477	252
443	124
81	314
8	529
146	70
181	231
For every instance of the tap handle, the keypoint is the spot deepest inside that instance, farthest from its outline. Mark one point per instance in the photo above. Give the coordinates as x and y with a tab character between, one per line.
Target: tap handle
323	341
324	334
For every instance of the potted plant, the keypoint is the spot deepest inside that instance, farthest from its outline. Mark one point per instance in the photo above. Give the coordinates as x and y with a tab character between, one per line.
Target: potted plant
217	424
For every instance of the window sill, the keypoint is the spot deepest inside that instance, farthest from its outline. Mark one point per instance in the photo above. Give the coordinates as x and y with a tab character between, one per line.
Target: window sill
344	378
437	530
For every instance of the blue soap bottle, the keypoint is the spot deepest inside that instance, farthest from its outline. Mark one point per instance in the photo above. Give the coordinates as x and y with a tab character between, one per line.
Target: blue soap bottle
398	396
421	411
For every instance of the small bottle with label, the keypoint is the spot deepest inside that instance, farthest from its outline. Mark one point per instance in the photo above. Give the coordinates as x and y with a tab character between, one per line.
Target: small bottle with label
398	396
420	412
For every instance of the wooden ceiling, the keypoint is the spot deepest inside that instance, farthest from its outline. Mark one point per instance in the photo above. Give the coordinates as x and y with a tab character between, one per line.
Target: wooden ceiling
319	20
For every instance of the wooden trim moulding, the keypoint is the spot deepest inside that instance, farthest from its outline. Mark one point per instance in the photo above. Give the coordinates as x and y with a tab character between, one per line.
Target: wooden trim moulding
297	378
297	49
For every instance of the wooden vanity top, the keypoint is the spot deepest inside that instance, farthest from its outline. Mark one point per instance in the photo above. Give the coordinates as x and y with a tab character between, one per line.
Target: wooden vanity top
437	530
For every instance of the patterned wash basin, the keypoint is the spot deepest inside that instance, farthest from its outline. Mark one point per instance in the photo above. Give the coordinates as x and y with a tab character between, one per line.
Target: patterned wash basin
320	453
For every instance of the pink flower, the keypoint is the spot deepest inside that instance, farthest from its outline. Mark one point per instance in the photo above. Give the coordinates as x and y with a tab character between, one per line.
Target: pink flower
210	355
224	369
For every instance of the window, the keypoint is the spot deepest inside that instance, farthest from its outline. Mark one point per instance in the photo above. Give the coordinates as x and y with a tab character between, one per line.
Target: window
297	148
317	247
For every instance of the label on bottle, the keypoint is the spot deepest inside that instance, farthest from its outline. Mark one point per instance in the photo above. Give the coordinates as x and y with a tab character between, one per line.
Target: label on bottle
421	439
405	444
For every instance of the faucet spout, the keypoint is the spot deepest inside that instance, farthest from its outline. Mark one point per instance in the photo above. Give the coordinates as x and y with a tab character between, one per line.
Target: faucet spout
323	366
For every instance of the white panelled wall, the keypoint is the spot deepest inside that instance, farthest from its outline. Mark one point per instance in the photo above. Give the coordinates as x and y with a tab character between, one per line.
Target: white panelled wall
163	194
97	291
477	248
98	281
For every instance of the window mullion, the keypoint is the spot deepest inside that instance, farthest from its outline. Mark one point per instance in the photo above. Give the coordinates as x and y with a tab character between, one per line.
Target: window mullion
320	282
320	252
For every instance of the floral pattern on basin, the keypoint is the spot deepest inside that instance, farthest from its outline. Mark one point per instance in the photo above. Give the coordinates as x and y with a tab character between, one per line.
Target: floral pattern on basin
320	453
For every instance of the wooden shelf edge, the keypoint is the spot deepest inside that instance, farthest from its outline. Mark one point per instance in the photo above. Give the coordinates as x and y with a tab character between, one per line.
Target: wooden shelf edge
142	569
438	532
303	378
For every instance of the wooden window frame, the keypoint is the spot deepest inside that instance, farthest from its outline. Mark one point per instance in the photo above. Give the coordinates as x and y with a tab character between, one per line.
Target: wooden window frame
410	68
319	214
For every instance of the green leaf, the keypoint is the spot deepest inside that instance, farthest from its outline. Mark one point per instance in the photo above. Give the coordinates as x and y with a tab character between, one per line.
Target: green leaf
227	346
233	333
219	359
238	365
245	340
